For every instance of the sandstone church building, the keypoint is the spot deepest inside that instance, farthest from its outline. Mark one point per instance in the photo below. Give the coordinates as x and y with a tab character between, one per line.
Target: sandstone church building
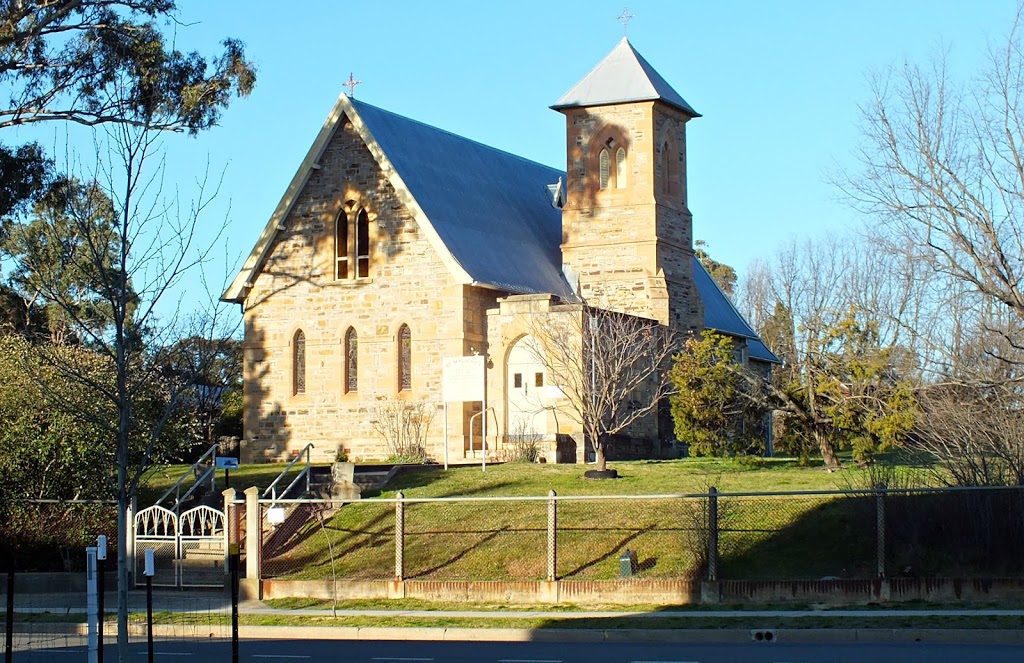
398	245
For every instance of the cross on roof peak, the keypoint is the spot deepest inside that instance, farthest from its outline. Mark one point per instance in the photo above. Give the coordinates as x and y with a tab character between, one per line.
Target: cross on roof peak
351	84
625	17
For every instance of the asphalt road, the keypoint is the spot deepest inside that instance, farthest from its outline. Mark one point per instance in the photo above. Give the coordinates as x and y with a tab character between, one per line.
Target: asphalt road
319	651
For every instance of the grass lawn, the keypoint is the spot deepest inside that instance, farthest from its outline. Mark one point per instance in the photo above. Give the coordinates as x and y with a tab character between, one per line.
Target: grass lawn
760	537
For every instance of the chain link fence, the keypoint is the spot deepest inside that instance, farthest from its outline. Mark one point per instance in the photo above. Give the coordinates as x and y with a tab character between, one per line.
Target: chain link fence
767	536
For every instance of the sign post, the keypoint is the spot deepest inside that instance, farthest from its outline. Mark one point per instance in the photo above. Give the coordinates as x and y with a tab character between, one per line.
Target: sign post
463	380
226	463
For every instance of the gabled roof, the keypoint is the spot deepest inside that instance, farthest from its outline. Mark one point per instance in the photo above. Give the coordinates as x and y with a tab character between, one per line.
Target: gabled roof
487	213
721	315
623	76
491	209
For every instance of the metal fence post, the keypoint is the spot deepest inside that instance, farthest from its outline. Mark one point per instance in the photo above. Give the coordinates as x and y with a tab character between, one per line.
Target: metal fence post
712	534
552	536
9	617
399	537
880	527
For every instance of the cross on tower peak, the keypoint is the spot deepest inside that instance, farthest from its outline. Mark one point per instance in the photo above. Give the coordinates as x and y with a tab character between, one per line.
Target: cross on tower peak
351	84
625	17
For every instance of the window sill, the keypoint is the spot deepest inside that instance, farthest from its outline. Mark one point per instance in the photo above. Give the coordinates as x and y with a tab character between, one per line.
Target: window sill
348	283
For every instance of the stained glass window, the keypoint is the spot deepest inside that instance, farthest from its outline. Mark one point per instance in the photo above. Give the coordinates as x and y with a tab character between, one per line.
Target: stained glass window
299	363
351	361
404	358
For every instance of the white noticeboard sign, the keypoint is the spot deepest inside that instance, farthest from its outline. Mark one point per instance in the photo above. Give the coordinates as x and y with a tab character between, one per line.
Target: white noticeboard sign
462	379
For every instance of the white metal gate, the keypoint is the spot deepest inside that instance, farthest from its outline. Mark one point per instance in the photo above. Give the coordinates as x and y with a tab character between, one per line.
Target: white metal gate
202	547
189	550
156	528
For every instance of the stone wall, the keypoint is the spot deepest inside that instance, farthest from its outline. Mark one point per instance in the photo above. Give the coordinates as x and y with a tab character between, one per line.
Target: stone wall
632	244
297	289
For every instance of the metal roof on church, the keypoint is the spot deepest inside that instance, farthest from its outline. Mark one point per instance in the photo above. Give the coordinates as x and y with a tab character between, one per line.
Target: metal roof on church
623	76
721	315
493	212
491	209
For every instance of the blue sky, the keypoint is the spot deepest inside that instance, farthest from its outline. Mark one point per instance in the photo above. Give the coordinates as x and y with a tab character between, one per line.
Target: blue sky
778	84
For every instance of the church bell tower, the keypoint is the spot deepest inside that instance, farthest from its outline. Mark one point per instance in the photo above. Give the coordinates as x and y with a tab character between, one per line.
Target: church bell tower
626	228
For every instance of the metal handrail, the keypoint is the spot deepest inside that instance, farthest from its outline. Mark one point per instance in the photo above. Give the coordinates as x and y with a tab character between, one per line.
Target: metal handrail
199	481
272	488
191	472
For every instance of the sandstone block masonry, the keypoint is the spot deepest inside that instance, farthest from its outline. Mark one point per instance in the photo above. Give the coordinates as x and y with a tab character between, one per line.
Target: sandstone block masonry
630	241
297	290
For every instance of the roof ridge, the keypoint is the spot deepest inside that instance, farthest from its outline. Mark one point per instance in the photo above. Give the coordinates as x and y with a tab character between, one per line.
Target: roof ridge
454	135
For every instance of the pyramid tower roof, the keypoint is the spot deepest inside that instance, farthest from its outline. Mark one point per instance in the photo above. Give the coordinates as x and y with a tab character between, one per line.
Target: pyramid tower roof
623	76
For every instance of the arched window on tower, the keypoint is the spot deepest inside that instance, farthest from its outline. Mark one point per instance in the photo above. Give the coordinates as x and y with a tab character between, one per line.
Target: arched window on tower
620	168
404	358
351	361
666	167
341	246
604	168
299	363
362	245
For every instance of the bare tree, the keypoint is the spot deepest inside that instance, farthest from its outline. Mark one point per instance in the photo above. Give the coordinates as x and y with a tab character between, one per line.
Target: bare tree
612	369
832	309
144	246
975	432
943	170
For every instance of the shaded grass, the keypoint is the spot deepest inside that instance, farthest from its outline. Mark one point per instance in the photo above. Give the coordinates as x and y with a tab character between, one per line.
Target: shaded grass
652	622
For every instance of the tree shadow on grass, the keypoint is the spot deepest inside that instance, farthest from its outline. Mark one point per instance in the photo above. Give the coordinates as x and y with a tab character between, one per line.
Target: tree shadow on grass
460	555
609	554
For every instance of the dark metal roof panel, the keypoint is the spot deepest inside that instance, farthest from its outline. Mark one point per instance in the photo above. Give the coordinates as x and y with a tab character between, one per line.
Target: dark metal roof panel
721	315
758	350
491	209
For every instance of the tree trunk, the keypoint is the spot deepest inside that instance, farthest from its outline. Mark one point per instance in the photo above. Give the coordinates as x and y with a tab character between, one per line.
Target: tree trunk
828	454
602	463
123	656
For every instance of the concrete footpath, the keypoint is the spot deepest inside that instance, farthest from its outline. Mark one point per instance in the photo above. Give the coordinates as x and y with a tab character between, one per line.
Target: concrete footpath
212	602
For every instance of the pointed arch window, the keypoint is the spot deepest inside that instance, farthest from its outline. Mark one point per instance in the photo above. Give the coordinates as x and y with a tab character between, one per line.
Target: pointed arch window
299	363
666	169
604	167
362	245
620	168
352	243
404	358
341	246
351	361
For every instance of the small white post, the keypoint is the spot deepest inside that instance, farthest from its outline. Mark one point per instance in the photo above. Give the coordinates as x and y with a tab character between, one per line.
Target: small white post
91	603
483	429
446	435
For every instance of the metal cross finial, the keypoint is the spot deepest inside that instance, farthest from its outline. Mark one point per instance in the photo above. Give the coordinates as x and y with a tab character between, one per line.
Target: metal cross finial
351	84
625	18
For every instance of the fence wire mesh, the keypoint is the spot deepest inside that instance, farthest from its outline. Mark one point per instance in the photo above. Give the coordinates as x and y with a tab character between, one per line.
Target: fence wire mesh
476	540
327	539
665	534
774	537
769	536
51	535
55	623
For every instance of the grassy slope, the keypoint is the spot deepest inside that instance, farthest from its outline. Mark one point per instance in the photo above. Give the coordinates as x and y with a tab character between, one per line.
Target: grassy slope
507	540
